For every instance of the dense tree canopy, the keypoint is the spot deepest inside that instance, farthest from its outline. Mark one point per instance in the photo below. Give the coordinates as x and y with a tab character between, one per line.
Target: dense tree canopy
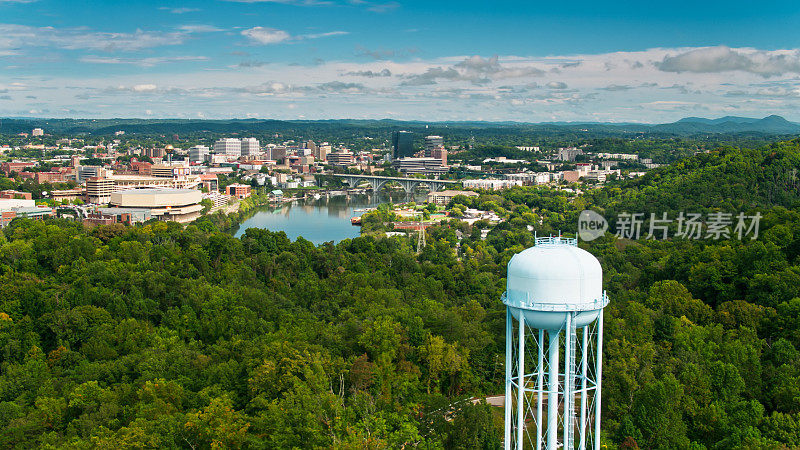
165	336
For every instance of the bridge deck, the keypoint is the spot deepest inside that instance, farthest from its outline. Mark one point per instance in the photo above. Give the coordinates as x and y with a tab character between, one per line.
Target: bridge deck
376	177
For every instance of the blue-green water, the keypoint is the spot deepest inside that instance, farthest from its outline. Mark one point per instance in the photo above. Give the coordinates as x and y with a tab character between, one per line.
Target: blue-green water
318	221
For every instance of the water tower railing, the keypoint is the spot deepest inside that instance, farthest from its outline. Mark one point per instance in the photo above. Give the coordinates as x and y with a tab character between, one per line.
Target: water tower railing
555	307
556	240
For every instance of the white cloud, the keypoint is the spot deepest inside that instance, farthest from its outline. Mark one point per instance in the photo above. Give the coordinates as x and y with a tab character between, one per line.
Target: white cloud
321	35
16	86
725	59
14	36
383	7
459	87
378	7
476	70
616	87
767	92
288	2
430	76
179	10
376	54
338	86
143	62
199	28
266	36
370	73
144	87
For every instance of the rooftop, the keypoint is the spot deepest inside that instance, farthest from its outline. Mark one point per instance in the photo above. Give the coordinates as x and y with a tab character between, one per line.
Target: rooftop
151	191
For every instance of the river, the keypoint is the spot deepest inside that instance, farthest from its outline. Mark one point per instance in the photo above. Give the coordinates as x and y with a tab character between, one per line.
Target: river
320	220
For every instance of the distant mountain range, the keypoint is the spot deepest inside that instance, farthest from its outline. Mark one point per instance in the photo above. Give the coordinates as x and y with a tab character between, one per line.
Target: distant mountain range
689	126
731	124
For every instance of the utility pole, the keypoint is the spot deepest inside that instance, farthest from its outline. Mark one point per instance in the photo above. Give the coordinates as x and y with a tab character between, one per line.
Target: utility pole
421	236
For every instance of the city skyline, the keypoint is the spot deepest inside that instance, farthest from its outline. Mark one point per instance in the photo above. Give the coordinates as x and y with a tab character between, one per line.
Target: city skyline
310	59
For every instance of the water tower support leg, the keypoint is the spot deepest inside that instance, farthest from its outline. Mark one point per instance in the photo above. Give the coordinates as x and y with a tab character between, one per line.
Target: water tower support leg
509	335
539	392
552	394
521	384
584	391
599	375
569	358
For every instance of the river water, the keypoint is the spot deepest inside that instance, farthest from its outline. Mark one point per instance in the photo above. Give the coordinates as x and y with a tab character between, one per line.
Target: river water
318	221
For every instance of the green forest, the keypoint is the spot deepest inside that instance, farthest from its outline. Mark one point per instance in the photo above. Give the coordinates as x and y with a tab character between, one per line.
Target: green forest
165	336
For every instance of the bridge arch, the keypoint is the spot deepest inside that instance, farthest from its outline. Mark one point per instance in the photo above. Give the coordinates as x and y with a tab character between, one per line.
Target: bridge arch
408	184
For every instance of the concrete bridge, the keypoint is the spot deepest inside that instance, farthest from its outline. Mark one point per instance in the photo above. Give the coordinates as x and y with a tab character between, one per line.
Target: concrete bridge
409	184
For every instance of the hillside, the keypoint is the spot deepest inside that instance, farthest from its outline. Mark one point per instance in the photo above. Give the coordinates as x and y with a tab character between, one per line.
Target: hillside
692	126
728	179
168	336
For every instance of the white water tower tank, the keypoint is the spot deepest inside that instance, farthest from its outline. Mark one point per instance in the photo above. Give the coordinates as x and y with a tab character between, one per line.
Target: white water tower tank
554	293
554	277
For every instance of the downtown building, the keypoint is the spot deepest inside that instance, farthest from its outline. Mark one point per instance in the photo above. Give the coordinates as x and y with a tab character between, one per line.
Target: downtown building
321	151
250	147
427	166
340	158
432	143
490	184
568	154
230	147
277	153
167	204
198	153
402	144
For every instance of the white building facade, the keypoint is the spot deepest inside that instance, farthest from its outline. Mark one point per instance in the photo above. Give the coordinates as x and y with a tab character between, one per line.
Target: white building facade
198	153
230	147
250	147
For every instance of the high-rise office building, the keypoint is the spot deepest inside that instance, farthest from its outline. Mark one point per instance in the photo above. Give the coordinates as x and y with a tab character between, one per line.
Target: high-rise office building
322	151
277	153
198	153
568	154
228	146
99	189
341	158
439	153
250	147
83	173
432	143
154	152
429	166
403	144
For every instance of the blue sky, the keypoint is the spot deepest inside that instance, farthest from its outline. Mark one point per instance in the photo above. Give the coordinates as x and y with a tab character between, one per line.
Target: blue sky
315	59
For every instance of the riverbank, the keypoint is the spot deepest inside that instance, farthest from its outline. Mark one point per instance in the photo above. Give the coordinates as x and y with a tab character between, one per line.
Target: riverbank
326	219
234	214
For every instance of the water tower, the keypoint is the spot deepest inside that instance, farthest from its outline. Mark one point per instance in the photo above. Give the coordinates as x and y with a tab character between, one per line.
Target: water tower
555	300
